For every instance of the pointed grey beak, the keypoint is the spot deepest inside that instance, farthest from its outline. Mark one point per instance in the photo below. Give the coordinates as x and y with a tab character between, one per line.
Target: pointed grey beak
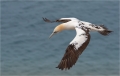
51	35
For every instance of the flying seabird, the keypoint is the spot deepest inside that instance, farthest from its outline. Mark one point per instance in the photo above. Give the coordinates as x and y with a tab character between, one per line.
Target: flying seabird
81	40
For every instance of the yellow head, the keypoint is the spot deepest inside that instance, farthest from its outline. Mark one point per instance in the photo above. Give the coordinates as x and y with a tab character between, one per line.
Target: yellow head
57	29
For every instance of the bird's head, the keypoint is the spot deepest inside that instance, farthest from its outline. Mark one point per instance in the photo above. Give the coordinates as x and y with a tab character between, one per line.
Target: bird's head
57	29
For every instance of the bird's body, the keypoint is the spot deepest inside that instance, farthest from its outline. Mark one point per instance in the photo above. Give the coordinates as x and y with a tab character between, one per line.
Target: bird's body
81	40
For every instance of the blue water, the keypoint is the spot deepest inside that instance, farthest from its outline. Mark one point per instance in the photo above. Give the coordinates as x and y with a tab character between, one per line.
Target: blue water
26	49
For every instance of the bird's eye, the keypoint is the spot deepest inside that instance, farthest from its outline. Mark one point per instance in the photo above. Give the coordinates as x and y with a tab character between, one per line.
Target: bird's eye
55	32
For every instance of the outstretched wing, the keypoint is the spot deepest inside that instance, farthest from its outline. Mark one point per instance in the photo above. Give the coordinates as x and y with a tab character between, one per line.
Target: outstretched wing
75	48
100	28
58	20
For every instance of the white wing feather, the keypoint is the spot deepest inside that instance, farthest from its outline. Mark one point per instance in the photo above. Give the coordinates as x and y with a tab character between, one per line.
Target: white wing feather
80	38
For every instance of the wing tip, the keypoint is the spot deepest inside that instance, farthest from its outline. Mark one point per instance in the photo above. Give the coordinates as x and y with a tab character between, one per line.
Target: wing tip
63	68
47	20
105	32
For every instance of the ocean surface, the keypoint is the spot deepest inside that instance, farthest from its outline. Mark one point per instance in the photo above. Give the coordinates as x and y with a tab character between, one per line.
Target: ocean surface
26	49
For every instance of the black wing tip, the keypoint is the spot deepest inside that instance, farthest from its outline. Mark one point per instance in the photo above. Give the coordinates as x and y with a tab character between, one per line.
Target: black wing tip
47	20
105	32
62	68
43	18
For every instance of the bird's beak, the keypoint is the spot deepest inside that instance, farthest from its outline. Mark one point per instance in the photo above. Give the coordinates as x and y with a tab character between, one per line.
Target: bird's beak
51	35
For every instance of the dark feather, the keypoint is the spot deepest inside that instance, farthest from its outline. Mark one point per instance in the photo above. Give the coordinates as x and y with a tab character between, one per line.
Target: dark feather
105	32
71	55
58	20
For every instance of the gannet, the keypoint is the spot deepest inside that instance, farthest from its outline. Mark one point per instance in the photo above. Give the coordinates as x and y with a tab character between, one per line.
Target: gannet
81	40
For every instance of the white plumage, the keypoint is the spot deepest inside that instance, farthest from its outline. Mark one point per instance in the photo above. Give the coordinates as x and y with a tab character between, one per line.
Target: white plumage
80	38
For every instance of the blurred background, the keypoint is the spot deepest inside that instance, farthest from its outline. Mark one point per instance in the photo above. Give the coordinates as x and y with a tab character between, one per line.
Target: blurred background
26	49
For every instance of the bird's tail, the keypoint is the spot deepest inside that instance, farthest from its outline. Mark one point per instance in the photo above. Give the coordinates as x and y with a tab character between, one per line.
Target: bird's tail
105	31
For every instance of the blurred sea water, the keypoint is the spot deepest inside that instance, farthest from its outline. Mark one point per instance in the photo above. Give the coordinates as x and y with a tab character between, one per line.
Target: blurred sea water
27	51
